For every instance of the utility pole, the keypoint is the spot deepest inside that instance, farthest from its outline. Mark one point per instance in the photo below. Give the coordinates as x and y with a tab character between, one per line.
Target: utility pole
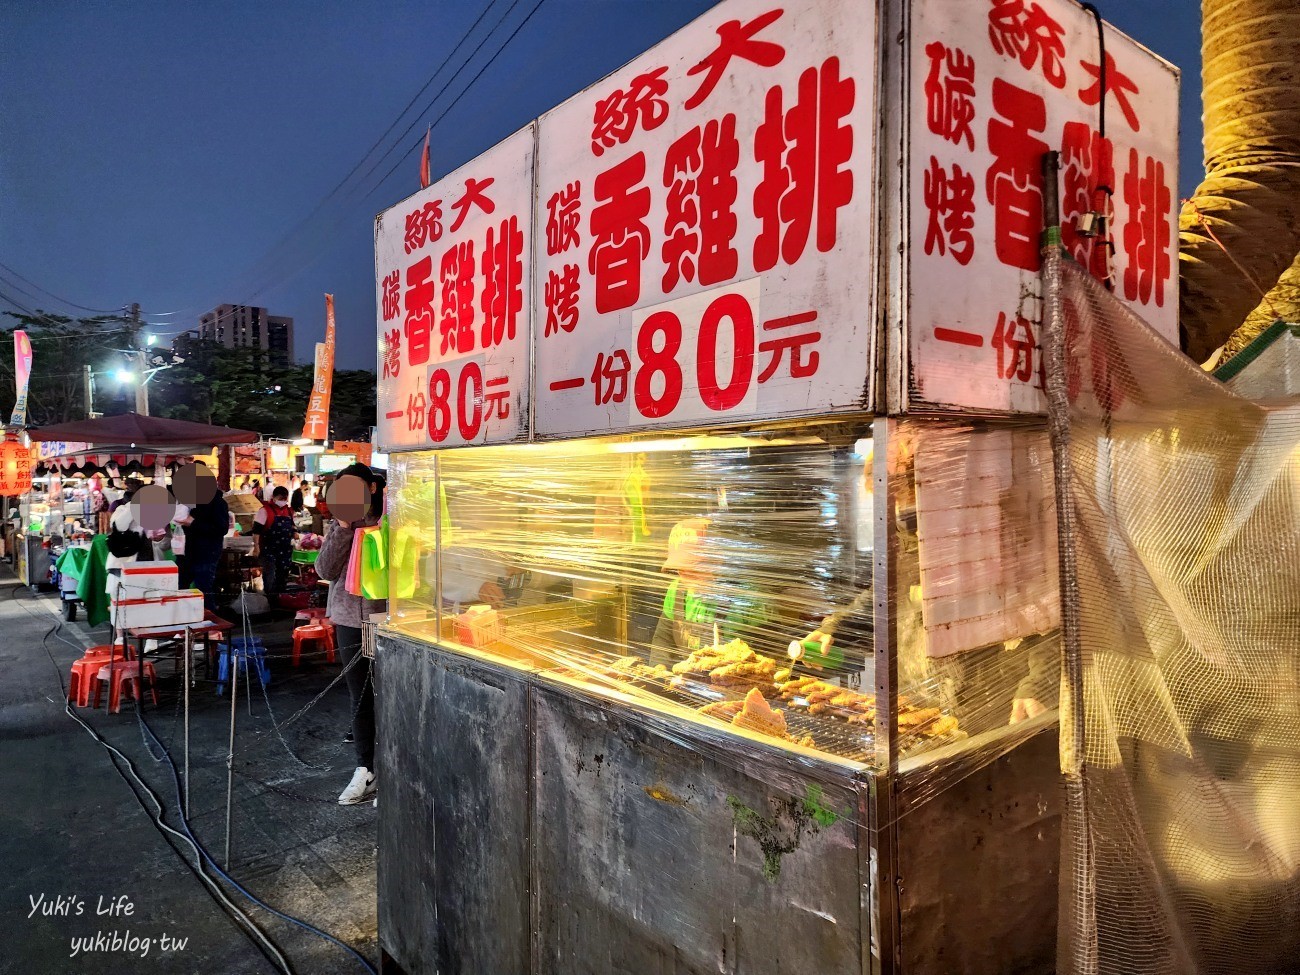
142	359
90	395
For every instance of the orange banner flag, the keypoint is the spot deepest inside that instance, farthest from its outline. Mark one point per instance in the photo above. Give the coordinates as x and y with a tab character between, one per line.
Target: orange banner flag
317	426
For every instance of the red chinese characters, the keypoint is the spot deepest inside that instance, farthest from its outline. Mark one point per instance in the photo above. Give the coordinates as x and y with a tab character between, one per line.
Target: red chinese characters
419	311
1014	182
423	225
787	343
457	277
950	199
1118	86
1147	232
561	296
620	238
475	195
392	354
950	94
562	218
1019	357
1087	167
1024	31
803	152
609	377
735	40
392	297
496	399
503	273
699	173
616	116
415	406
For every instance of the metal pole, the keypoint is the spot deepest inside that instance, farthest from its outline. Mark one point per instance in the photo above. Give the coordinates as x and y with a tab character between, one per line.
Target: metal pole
230	754
186	678
90	395
1080	953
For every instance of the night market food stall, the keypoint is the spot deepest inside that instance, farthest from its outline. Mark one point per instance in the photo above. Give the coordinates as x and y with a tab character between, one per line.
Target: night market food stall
723	620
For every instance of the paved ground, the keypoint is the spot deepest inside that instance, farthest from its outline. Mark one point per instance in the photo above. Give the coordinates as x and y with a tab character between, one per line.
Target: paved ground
73	827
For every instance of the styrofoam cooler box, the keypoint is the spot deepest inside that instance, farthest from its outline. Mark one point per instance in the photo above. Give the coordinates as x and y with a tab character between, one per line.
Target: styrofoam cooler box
160	609
146	576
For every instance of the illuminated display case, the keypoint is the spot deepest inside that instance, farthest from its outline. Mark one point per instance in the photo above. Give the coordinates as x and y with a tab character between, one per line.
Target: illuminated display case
610	621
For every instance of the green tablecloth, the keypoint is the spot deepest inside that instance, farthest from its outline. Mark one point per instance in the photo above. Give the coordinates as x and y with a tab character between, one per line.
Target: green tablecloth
72	563
305	556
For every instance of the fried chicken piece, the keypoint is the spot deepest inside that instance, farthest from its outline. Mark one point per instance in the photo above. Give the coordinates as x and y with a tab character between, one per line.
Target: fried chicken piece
757	715
757	671
782	675
722	710
916	717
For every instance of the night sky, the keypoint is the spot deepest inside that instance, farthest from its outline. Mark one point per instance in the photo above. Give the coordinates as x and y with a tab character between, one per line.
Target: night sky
185	155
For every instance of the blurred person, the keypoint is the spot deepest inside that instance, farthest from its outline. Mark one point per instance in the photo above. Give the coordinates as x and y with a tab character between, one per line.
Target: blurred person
99	505
206	525
697	607
356	500
273	532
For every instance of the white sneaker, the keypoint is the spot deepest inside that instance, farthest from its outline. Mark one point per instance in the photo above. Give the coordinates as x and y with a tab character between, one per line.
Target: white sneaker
361	788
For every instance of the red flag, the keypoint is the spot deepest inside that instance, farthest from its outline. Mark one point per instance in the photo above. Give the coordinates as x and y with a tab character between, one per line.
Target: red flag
425	179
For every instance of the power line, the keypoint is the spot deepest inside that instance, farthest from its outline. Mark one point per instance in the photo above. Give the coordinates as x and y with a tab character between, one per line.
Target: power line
401	160
296	265
279	252
58	298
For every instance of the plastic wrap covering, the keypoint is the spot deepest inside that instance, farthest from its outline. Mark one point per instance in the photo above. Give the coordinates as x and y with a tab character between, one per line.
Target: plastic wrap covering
976	605
729	577
1183	834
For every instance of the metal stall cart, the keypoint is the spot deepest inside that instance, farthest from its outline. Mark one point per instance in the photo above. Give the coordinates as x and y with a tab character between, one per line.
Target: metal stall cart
723	621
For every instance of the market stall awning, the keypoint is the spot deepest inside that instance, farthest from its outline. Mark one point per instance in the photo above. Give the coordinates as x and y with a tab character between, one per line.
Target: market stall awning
133	432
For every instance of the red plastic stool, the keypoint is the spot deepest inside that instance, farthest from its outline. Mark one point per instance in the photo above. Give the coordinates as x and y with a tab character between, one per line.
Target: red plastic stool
87	668
123	672
321	632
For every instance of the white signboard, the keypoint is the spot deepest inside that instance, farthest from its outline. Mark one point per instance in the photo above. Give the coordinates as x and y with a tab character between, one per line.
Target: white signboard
453	275
994	85
703	232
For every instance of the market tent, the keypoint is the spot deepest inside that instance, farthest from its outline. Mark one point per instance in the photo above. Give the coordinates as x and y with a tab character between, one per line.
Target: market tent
133	432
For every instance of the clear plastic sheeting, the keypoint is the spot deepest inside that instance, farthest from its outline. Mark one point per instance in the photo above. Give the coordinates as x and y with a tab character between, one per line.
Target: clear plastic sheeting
1183	840
727	577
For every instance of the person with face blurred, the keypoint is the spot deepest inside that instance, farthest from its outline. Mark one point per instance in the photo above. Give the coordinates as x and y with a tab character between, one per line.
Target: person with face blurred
205	526
356	500
273	532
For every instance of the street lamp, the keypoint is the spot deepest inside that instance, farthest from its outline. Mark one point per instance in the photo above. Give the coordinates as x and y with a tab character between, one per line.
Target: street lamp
124	376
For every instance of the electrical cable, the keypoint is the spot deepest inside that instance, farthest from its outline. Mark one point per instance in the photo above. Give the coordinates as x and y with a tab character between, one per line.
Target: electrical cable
271	257
285	239
188	834
279	276
58	298
288	275
260	939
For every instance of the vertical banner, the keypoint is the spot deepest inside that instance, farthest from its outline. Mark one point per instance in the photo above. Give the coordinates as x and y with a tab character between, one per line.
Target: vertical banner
22	376
318	407
994	85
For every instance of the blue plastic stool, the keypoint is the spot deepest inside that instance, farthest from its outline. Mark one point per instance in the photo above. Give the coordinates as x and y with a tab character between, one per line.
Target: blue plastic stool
244	648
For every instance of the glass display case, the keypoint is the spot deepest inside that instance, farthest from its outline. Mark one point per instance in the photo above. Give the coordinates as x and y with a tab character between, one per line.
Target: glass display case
729	577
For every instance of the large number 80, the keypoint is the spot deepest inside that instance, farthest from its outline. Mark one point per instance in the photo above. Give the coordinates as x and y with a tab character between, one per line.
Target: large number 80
663	359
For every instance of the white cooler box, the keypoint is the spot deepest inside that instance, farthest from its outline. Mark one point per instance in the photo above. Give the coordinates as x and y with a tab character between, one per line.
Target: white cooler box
156	609
147	577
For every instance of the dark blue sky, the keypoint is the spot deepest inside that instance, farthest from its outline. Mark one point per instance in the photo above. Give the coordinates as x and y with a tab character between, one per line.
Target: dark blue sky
170	153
